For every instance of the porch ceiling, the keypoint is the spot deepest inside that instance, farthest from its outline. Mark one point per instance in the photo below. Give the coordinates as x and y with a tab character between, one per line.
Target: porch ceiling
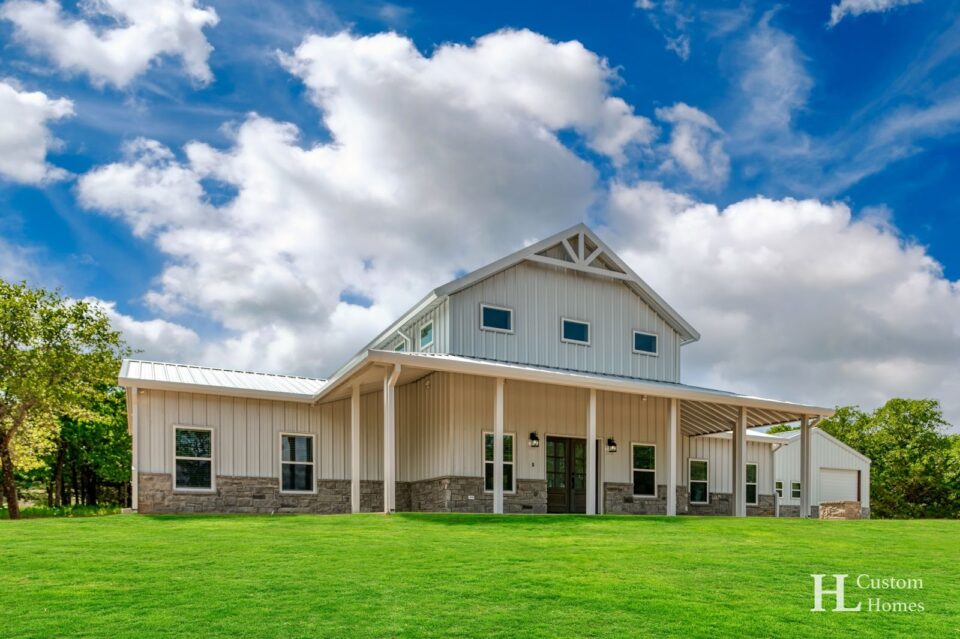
705	418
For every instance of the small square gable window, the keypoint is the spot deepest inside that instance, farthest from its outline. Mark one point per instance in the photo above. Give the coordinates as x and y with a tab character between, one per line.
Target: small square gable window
644	343
494	318
426	336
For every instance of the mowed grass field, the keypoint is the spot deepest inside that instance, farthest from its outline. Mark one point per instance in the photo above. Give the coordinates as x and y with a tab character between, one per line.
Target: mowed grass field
466	576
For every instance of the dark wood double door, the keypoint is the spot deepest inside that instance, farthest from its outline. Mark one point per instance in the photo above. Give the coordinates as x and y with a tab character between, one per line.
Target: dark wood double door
567	475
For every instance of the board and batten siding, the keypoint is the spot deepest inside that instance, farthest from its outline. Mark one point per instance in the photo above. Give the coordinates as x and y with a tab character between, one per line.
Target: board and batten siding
246	432
540	295
824	454
718	452
439	315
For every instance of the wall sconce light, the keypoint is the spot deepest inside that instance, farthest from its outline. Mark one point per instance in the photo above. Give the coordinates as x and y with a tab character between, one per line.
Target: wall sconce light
611	445
534	440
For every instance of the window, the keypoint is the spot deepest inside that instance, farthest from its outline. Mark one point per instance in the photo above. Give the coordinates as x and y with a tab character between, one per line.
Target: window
426	335
401	347
296	463
575	332
795	490
507	462
752	484
644	343
193	459
699	484
644	470
494	318
778	488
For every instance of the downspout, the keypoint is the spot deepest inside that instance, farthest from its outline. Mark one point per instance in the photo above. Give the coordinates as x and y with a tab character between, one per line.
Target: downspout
134	437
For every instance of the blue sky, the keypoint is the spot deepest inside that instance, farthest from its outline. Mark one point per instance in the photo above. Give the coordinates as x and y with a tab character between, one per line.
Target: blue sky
726	103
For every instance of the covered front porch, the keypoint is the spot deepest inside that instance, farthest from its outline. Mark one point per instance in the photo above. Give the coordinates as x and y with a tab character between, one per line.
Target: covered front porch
452	424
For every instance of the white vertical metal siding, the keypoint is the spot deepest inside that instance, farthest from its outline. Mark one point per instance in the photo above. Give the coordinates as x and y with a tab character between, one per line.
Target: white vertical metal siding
825	455
439	315
719	453
247	432
540	296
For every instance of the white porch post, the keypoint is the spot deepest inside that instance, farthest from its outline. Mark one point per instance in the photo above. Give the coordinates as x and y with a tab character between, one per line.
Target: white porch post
134	437
739	442
592	453
355	449
498	449
804	466
673	428
390	440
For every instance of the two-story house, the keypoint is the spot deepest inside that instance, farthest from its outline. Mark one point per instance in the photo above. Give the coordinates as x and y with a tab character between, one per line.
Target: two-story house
548	381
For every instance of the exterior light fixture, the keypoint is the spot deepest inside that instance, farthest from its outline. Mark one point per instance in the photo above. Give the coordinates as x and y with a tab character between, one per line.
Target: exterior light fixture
534	440
611	445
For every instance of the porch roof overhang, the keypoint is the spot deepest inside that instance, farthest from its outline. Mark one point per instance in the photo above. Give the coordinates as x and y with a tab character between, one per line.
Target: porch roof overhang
702	410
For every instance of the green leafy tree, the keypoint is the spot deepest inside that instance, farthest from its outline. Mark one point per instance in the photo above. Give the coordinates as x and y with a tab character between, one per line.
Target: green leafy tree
916	469
54	353
781	428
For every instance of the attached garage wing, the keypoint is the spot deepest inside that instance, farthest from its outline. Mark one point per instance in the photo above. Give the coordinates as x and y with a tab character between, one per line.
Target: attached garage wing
838	485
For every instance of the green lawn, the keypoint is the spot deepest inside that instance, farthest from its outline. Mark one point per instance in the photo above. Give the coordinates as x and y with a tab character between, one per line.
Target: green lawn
465	576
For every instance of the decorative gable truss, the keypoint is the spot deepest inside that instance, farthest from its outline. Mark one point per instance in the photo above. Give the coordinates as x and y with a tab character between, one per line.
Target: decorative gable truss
581	253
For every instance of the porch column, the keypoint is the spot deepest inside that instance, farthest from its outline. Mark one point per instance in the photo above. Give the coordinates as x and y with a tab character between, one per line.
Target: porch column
592	453
804	466
673	428
498	449
389	440
355	449
134	437
739	455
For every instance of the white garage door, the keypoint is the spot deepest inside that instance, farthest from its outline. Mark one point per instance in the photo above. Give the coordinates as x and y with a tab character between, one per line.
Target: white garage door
838	485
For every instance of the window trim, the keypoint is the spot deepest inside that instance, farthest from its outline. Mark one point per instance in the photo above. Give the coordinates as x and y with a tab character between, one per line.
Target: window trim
484	462
494	329
313	440
690	480
755	484
574	341
634	469
799	489
420	344
633	344
778	490
213	470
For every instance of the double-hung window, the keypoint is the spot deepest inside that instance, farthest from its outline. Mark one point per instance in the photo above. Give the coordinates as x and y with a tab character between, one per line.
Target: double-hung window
752	484
496	318
699	482
488	464
193	458
644	470
574	331
795	490
778	488
296	463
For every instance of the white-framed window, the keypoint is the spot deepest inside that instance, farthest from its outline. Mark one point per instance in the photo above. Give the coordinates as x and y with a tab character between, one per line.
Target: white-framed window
752	484
509	481
496	318
699	483
644	470
795	490
645	343
193	458
426	335
778	488
297	464
401	347
574	331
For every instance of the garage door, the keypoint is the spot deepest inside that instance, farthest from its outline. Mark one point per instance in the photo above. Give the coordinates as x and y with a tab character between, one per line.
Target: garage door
838	485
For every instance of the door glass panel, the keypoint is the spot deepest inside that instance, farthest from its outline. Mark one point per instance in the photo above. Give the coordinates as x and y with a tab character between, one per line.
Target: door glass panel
579	466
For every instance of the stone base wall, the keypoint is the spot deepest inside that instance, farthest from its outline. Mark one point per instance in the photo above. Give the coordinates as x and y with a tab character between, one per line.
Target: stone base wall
840	510
765	507
618	499
466	495
789	511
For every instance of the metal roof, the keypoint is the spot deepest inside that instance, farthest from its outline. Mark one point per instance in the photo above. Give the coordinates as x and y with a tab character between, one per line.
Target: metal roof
200	379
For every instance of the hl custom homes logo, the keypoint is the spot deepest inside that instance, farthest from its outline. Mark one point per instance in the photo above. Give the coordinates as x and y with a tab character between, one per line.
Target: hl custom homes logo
868	583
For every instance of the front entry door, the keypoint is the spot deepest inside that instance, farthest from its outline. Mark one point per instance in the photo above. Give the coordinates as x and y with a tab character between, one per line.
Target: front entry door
566	475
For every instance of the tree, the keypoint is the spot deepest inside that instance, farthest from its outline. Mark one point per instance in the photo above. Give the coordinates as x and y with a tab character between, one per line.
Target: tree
781	428
53	353
915	470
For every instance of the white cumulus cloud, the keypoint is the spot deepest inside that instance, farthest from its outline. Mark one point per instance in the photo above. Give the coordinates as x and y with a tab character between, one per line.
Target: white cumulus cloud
855	8
696	143
25	137
140	31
